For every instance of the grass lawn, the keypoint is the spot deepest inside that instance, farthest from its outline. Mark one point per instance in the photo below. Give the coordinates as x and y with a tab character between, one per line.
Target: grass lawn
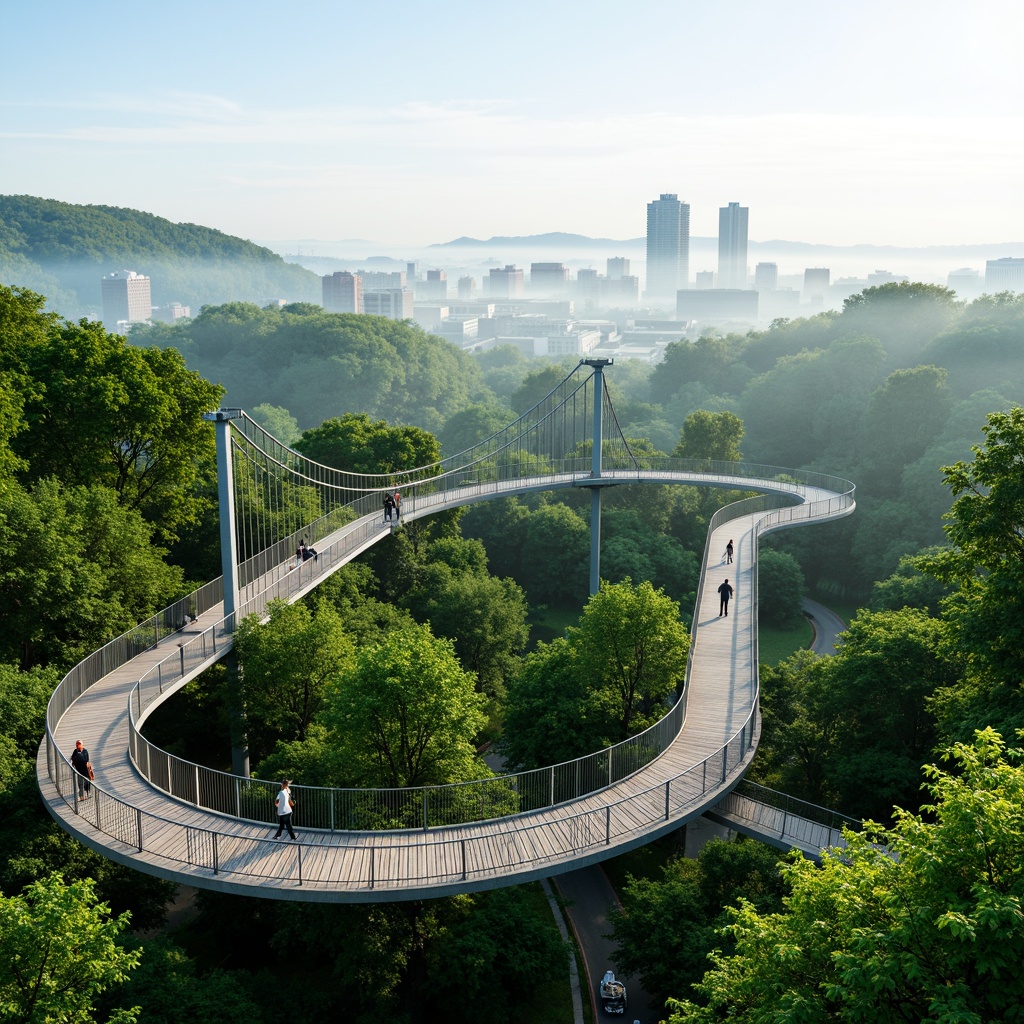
775	645
549	1001
550	621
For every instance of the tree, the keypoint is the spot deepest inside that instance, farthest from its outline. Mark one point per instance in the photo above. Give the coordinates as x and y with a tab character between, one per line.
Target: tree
903	315
986	566
483	616
77	567
287	664
278	422
472	425
495	948
780	589
632	645
406	714
710	437
609	678
127	418
555	555
356	443
920	922
903	417
57	944
665	927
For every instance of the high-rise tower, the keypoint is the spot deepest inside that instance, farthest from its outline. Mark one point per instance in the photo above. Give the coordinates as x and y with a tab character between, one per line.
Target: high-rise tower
732	246
126	298
668	247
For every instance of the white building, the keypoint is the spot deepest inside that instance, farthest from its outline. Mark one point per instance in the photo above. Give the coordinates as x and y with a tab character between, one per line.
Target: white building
126	298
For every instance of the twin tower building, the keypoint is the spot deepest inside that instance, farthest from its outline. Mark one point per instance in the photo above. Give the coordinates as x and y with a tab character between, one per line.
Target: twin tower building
668	247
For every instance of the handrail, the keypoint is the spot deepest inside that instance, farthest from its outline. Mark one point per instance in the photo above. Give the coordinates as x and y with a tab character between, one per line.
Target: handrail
353	534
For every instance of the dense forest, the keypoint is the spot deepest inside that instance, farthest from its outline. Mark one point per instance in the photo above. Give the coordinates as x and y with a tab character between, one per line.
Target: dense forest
63	250
107	512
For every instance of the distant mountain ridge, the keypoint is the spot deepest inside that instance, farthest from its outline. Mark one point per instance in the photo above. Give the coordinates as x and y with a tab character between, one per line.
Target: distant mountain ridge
63	250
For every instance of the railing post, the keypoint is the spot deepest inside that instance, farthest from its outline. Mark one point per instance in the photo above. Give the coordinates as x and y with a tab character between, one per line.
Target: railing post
668	783
138	826
551	803
238	797
425	823
372	852
216	856
198	804
608	825
610	749
298	847
181	656
170	786
463	844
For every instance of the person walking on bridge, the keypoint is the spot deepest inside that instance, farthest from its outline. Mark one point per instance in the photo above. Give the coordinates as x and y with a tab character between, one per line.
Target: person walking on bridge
728	552
725	592
80	762
284	810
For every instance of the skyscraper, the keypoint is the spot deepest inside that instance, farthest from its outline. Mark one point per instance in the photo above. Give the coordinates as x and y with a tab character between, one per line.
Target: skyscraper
342	292
732	246
668	247
126	298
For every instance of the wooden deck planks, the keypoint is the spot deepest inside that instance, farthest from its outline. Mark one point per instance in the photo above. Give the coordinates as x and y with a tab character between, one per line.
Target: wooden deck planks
719	701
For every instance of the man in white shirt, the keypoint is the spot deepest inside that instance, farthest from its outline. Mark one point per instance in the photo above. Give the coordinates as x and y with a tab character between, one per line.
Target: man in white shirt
284	806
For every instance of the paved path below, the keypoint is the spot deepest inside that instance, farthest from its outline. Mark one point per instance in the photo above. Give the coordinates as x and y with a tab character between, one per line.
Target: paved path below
826	625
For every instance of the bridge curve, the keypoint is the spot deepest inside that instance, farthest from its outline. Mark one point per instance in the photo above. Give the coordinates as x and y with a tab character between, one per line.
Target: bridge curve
129	817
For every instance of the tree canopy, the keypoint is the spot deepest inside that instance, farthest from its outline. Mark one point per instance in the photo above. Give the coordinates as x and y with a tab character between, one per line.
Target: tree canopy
919	922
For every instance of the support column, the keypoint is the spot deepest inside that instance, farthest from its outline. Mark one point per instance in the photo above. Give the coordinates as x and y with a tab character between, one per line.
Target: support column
226	503
595	472
229	567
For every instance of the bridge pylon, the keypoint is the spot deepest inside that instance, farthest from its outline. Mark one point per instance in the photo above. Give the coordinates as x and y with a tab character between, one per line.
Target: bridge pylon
598	366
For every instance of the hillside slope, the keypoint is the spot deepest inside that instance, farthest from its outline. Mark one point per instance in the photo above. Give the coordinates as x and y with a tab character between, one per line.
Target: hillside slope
63	250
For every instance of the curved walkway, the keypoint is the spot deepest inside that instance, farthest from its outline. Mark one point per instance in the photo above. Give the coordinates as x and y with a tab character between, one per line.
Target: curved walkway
133	822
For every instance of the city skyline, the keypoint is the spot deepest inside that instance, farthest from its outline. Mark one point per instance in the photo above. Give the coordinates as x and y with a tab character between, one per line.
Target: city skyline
887	124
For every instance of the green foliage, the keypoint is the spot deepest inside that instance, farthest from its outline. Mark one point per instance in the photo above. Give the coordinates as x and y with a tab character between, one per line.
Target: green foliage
852	730
287	665
925	926
58	948
355	443
77	567
406	714
494	951
169	988
322	365
609	678
710	437
68	248
780	589
665	928
985	565
483	616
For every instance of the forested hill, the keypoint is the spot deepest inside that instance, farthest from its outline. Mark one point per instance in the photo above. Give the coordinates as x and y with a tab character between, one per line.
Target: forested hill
62	250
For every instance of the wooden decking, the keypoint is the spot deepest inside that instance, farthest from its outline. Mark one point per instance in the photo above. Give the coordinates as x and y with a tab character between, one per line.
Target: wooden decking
128	820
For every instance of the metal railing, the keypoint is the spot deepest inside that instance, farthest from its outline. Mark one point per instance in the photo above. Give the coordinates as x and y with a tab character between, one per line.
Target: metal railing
771	813
393	861
390	809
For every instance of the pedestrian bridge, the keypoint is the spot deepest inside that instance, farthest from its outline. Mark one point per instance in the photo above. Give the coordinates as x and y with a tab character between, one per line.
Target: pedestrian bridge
194	825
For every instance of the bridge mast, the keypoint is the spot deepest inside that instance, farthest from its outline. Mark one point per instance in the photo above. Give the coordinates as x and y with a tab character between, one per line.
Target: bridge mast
598	366
226	500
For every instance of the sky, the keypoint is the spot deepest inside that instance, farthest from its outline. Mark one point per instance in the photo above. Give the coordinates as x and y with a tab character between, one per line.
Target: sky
894	123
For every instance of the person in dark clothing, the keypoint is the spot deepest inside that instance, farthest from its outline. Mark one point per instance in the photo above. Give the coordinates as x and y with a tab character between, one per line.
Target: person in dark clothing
725	593
80	762
389	507
728	552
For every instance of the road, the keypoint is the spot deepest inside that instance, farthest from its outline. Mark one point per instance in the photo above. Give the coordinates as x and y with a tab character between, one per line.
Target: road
826	625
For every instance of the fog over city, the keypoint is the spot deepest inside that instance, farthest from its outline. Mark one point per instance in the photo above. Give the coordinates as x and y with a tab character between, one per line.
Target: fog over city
892	125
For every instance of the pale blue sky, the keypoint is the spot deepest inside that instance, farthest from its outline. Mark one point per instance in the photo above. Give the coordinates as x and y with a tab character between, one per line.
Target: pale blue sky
896	122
